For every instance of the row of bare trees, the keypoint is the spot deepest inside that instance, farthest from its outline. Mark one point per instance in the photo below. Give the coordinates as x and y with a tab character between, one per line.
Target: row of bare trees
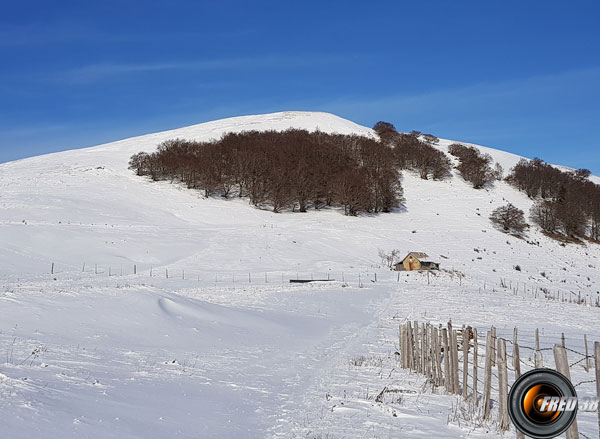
415	151
474	166
567	202
292	169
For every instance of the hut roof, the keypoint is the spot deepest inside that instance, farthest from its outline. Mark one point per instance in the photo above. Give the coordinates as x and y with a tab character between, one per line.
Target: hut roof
416	255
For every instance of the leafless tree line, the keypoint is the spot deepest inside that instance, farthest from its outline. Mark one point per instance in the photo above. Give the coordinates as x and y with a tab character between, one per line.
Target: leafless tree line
292	169
415	151
567	202
297	170
475	167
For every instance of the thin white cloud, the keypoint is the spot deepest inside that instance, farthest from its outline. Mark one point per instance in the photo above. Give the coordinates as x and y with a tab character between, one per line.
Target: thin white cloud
41	34
97	72
33	130
62	32
454	100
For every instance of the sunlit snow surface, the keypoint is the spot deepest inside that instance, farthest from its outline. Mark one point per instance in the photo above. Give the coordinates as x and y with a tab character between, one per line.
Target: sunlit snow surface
226	346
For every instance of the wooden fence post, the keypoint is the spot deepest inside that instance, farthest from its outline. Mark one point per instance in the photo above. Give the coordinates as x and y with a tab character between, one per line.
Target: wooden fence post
405	355
455	369
432	353
487	384
432	373
417	347
450	377
539	360
52	269
493	346
401	344
475	343
516	356
562	366
426	356
436	346
423	349
134	269
587	357
503	385
465	349
447	379
409	348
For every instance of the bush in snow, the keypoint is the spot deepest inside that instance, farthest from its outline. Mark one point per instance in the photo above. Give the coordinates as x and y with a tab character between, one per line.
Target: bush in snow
473	166
415	151
509	218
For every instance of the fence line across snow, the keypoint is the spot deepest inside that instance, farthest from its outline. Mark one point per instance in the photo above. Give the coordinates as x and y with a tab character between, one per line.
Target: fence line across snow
442	352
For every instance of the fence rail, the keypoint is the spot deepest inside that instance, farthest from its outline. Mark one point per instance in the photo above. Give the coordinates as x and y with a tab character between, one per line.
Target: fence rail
442	353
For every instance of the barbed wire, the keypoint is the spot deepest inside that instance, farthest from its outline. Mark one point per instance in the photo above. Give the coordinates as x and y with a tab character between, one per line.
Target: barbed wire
584	382
579	361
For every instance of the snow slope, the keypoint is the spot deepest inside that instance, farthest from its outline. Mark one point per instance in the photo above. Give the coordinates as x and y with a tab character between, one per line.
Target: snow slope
209	339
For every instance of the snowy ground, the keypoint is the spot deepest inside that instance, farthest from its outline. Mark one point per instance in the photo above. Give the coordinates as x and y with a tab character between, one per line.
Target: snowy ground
226	346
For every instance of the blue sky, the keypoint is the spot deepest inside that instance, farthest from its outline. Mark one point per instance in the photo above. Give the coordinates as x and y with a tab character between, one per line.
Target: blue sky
519	76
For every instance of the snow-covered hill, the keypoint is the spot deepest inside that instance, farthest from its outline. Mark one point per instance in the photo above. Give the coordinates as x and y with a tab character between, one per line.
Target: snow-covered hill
208	338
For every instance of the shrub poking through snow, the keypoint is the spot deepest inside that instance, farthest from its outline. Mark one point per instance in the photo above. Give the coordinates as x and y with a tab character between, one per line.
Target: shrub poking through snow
473	166
509	219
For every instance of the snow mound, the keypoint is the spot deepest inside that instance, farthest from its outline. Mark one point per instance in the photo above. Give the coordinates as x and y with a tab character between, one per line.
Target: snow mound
209	314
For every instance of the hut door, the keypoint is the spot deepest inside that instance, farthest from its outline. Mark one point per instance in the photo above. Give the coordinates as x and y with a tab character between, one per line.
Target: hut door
410	265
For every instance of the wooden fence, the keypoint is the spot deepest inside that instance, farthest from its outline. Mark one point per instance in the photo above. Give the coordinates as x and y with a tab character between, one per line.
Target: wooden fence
450	359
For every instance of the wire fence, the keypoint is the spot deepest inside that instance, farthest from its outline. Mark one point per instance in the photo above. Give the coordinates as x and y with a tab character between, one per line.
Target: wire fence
451	359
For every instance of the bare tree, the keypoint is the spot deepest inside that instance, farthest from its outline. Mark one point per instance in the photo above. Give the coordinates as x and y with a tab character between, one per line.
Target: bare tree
388	259
543	213
430	139
139	163
509	218
473	166
498	171
385	130
571	218
411	153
